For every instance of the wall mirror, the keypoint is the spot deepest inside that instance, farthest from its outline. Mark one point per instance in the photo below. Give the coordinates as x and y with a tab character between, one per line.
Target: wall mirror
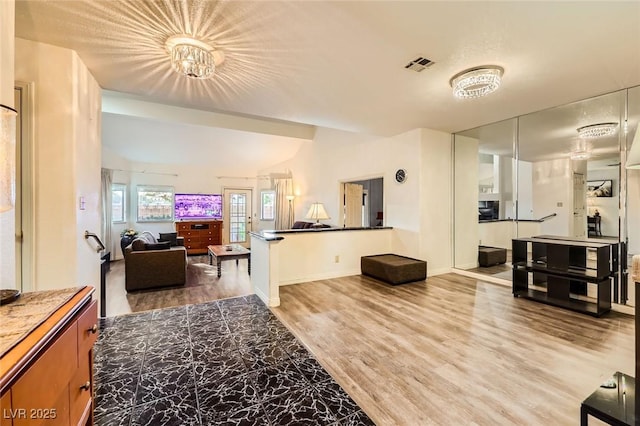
532	178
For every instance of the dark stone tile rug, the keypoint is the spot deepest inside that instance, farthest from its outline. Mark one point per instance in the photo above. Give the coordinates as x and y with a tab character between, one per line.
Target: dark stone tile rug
229	362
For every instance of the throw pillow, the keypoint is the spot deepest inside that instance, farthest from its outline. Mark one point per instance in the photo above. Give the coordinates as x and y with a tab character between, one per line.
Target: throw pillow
172	237
138	244
165	245
148	236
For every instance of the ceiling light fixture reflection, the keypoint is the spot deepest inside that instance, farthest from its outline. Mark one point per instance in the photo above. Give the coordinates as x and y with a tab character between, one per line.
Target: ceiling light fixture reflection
581	150
193	58
580	155
476	82
599	130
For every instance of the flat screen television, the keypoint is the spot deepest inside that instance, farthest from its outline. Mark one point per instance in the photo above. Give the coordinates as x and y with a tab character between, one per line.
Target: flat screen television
198	206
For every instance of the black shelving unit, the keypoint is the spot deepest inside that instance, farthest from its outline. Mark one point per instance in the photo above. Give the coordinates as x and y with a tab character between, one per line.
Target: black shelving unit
557	272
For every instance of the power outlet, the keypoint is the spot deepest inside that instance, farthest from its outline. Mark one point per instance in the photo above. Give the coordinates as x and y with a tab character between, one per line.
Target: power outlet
337	259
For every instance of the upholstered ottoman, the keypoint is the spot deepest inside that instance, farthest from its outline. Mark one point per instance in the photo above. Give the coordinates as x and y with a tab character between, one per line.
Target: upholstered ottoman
393	269
489	256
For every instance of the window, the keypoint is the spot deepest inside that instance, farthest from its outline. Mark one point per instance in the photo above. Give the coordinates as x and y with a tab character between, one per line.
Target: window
155	203
268	205
118	203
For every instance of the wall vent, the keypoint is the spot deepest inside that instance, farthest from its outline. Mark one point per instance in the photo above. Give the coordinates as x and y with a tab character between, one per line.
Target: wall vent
419	64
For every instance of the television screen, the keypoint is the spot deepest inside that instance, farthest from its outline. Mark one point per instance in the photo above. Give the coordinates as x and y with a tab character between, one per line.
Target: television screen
198	206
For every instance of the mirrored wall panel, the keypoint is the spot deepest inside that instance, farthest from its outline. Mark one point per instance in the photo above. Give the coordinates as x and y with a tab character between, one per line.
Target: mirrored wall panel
557	172
484	194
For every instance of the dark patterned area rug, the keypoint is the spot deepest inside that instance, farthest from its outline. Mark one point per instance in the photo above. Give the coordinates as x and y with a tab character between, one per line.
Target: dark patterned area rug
229	362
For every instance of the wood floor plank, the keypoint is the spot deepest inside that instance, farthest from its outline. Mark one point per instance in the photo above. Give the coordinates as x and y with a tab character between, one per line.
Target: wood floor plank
203	285
455	350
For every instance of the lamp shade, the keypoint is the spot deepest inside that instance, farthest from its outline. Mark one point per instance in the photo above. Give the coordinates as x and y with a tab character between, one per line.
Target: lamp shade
633	157
317	212
7	157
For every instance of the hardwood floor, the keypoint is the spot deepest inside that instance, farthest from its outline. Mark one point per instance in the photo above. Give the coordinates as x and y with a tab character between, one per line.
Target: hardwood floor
455	350
203	285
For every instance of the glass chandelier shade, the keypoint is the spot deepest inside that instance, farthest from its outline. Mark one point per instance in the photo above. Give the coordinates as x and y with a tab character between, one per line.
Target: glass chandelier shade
599	130
476	82
193	58
7	157
581	150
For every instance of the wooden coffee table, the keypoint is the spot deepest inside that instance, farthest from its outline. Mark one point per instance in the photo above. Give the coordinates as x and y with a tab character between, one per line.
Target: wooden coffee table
221	253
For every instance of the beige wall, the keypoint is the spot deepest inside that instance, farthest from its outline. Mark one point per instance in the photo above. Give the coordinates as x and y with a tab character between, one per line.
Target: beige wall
66	164
7	30
7	219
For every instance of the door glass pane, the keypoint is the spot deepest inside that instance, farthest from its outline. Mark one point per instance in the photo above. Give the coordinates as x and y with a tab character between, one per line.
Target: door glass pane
238	218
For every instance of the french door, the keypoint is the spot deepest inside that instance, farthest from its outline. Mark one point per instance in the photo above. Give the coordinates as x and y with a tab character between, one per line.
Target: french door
237	216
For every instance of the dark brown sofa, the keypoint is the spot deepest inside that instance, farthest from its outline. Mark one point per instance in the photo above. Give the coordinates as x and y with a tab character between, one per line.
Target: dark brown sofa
150	264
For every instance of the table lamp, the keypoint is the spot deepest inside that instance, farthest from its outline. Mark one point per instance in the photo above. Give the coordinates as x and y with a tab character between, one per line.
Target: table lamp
317	212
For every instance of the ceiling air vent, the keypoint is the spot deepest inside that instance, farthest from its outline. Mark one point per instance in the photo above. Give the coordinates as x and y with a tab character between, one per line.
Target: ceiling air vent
419	64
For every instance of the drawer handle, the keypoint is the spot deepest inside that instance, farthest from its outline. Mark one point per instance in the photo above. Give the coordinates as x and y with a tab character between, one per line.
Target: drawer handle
86	386
94	329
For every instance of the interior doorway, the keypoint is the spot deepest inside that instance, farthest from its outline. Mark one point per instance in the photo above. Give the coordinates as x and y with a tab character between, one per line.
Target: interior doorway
237	216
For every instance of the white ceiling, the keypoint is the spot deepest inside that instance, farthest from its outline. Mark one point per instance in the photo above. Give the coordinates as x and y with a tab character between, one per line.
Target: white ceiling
341	64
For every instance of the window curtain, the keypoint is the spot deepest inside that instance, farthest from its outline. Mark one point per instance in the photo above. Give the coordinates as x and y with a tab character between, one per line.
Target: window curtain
106	181
284	218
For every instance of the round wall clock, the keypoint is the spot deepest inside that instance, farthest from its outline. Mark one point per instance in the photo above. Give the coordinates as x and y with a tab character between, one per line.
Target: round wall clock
401	175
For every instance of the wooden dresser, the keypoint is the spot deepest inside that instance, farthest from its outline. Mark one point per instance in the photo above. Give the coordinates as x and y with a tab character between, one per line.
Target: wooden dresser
47	377
200	234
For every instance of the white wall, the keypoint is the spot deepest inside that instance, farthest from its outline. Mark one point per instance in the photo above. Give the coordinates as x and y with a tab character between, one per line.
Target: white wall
633	210
553	185
606	206
418	209
309	256
7	219
67	164
525	191
465	209
435	198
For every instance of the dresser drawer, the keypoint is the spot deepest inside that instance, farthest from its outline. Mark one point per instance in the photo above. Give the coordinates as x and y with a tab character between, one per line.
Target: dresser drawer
190	233
81	389
88	328
55	367
183	226
6	410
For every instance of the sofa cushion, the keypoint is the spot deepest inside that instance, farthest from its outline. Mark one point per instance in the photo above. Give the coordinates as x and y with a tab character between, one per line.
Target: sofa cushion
162	245
172	237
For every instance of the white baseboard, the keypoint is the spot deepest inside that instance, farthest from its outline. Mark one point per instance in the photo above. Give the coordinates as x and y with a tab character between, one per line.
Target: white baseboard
272	303
317	277
434	272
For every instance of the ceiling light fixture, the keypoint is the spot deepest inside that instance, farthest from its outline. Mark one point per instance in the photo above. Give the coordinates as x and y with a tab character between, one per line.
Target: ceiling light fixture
597	130
476	82
193	58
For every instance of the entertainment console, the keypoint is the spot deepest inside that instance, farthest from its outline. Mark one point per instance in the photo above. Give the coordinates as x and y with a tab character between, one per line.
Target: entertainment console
565	268
199	234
